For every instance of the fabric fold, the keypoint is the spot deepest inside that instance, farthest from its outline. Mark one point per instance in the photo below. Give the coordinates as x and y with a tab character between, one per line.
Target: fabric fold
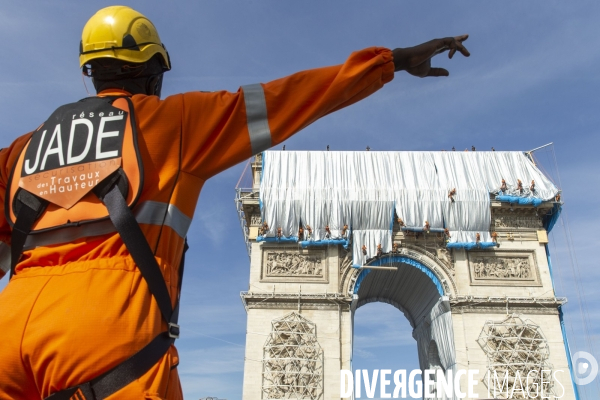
358	195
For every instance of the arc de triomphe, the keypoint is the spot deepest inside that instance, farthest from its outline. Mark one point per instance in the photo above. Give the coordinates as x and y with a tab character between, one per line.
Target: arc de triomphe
476	300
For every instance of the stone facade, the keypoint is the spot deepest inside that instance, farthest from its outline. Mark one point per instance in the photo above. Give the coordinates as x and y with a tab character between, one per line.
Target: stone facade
315	287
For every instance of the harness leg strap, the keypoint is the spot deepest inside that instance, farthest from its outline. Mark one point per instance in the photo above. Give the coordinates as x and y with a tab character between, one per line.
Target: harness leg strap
30	208
135	241
138	364
120	376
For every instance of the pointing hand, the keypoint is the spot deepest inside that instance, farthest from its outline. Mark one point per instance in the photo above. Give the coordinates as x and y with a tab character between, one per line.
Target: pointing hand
417	60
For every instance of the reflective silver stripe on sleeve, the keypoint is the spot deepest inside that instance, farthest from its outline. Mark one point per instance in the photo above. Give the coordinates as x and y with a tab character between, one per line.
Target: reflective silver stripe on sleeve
153	213
148	212
4	257
256	114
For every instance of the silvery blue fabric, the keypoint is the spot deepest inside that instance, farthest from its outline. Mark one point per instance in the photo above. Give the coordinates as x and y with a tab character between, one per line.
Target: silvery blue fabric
437	330
363	189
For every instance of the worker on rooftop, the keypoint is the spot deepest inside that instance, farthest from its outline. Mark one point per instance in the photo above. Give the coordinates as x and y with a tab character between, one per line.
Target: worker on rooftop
97	202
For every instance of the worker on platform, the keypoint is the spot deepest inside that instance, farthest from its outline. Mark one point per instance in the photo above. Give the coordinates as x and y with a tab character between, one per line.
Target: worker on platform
98	200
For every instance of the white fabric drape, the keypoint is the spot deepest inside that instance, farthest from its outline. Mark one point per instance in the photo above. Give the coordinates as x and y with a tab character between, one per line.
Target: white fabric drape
416	189
373	222
469	213
362	189
437	327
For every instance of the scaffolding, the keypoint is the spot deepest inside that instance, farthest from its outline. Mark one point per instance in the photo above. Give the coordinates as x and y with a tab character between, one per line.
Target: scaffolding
517	354
242	194
293	360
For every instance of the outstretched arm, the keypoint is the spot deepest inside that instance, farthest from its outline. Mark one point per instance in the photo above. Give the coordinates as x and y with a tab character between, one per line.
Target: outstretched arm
226	128
417	60
222	129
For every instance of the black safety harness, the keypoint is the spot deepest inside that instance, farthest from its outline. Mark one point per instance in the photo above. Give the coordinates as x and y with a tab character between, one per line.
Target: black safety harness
112	192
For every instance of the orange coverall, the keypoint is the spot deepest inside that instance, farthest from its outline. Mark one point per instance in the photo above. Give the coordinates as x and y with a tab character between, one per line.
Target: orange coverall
77	308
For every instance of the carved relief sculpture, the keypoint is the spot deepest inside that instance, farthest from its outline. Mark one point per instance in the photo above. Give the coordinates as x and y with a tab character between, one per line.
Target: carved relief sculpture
517	221
502	267
255	219
286	264
345	268
293	360
345	262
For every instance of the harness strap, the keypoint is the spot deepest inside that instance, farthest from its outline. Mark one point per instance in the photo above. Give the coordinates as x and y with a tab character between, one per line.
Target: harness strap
135	241
175	316
131	369
30	208
121	375
138	364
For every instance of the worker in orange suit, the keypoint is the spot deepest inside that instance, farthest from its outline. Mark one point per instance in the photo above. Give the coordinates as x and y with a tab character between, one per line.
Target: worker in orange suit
98	200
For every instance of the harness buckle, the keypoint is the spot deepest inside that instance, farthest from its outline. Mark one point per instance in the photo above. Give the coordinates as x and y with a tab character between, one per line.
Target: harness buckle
173	330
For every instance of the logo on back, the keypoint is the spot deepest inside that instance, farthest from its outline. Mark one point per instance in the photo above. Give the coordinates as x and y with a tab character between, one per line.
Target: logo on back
74	150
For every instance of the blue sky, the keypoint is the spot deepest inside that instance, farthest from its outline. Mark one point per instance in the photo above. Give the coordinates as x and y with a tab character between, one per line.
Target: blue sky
532	79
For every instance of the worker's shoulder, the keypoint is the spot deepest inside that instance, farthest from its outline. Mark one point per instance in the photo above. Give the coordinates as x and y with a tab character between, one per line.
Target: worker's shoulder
137	98
145	105
182	102
10	154
19	142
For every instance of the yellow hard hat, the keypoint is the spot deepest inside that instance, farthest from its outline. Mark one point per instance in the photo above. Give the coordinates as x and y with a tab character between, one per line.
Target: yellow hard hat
121	33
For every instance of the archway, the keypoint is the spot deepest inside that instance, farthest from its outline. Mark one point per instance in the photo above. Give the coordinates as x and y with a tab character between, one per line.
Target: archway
328	217
418	293
382	340
412	288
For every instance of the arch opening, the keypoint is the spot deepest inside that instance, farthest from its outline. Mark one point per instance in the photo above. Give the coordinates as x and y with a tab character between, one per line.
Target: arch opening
412	288
382	340
416	291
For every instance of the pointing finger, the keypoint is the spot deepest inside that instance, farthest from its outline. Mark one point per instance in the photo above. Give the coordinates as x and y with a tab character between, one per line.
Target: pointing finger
461	38
452	51
458	41
463	50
